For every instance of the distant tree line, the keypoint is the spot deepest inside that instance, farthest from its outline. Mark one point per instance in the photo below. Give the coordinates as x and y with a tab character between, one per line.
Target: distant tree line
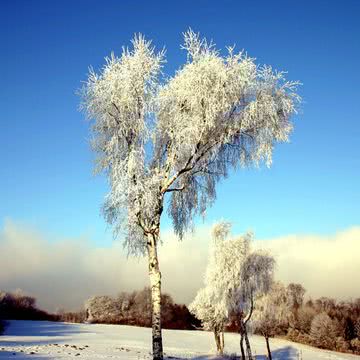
18	306
132	308
135	309
324	322
282	312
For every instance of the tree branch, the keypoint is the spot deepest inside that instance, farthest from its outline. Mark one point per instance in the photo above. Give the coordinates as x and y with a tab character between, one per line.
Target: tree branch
251	308
176	189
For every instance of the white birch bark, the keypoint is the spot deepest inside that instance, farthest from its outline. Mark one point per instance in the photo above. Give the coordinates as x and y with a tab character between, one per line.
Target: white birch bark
155	284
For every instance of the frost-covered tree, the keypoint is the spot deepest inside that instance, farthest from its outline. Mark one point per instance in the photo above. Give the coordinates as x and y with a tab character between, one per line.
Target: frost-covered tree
270	313
323	331
234	277
213	320
102	309
209	305
173	140
238	275
256	278
295	295
305	316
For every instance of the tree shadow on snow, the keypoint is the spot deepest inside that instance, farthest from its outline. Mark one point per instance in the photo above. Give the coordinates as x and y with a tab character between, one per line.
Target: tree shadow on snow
201	357
285	353
47	329
4	354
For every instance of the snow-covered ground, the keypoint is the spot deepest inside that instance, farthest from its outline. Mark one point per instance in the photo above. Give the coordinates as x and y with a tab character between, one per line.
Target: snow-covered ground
50	340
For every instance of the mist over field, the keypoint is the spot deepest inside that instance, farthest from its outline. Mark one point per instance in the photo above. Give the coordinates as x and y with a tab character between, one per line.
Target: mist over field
63	274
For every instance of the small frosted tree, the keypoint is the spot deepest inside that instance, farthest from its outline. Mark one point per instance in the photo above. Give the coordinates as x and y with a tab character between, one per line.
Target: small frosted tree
270	313
204	308
238	275
256	278
173	140
234	277
209	305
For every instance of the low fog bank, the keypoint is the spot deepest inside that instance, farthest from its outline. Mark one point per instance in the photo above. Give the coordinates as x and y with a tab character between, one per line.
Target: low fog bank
64	273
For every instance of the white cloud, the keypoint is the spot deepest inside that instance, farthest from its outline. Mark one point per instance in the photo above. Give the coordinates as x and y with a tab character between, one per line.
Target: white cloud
325	265
65	273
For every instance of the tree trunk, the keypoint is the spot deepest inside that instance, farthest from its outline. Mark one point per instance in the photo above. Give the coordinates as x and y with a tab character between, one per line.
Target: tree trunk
219	340
248	348
243	324
242	346
244	336
222	342
268	347
155	284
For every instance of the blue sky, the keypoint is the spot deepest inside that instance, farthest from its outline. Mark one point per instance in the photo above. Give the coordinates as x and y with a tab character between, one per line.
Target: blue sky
46	164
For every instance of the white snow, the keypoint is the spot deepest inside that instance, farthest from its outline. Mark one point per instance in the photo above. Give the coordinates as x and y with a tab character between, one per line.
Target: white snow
51	340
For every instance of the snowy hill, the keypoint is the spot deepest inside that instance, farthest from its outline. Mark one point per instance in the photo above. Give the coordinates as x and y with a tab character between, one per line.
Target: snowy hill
50	340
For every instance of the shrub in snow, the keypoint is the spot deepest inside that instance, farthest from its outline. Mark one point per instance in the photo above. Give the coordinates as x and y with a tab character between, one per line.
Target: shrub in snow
355	344
293	334
341	344
71	316
303	338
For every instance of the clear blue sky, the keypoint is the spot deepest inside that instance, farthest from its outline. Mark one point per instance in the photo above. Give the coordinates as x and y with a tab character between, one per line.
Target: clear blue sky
46	164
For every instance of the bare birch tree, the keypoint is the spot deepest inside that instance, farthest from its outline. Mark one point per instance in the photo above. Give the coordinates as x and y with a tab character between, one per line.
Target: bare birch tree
173	139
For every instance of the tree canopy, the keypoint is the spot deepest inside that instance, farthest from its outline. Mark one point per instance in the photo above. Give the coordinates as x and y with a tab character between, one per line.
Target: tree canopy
181	134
